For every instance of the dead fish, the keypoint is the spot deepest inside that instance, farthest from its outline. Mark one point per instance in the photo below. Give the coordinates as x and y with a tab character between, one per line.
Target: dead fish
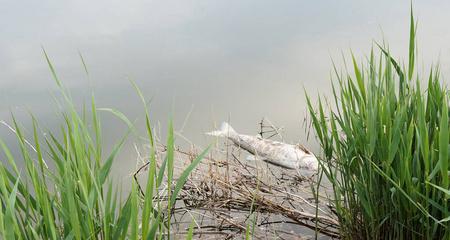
277	153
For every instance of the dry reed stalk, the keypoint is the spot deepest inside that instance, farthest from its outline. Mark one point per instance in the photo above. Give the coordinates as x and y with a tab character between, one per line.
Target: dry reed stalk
225	191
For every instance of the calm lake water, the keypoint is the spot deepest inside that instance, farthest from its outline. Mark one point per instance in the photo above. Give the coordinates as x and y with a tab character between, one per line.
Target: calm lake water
200	61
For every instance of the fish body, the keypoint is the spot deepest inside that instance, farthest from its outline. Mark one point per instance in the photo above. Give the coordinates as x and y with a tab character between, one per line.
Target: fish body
277	153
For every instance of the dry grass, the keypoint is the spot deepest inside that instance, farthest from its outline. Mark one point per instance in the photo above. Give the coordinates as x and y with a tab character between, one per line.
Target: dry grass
228	197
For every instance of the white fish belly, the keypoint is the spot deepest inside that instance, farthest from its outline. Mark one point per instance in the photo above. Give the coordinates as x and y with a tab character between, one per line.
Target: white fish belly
277	153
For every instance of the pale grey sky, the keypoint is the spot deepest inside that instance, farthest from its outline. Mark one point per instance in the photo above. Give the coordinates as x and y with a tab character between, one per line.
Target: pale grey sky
244	59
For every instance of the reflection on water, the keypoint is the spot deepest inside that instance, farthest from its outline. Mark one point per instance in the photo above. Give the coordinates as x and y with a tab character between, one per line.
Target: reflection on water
203	62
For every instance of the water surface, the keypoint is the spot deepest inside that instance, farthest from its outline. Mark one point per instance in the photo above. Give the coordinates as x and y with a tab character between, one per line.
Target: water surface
209	60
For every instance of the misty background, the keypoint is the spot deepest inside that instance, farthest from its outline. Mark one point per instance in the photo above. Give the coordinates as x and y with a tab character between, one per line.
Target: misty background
201	62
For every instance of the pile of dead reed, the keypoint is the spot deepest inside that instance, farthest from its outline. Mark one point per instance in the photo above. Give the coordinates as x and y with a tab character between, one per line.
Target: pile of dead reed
229	197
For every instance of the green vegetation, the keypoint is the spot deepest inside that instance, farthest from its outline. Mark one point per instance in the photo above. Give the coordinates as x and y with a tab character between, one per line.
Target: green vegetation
385	149
64	190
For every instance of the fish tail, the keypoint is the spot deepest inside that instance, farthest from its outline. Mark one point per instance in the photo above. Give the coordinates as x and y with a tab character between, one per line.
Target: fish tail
225	131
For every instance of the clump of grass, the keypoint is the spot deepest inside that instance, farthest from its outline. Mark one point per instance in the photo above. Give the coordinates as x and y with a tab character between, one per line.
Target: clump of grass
385	149
65	190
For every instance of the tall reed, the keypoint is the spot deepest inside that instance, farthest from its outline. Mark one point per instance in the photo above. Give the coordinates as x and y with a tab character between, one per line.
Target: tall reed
385	148
65	190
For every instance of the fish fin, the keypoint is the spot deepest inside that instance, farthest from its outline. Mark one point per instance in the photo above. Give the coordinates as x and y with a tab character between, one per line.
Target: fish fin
304	149
225	131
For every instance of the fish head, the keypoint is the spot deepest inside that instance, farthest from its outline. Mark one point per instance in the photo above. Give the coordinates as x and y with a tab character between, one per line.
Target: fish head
309	162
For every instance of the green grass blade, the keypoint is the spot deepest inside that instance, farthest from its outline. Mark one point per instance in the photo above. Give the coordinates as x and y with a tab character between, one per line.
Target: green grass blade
184	176
190	233
412	46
